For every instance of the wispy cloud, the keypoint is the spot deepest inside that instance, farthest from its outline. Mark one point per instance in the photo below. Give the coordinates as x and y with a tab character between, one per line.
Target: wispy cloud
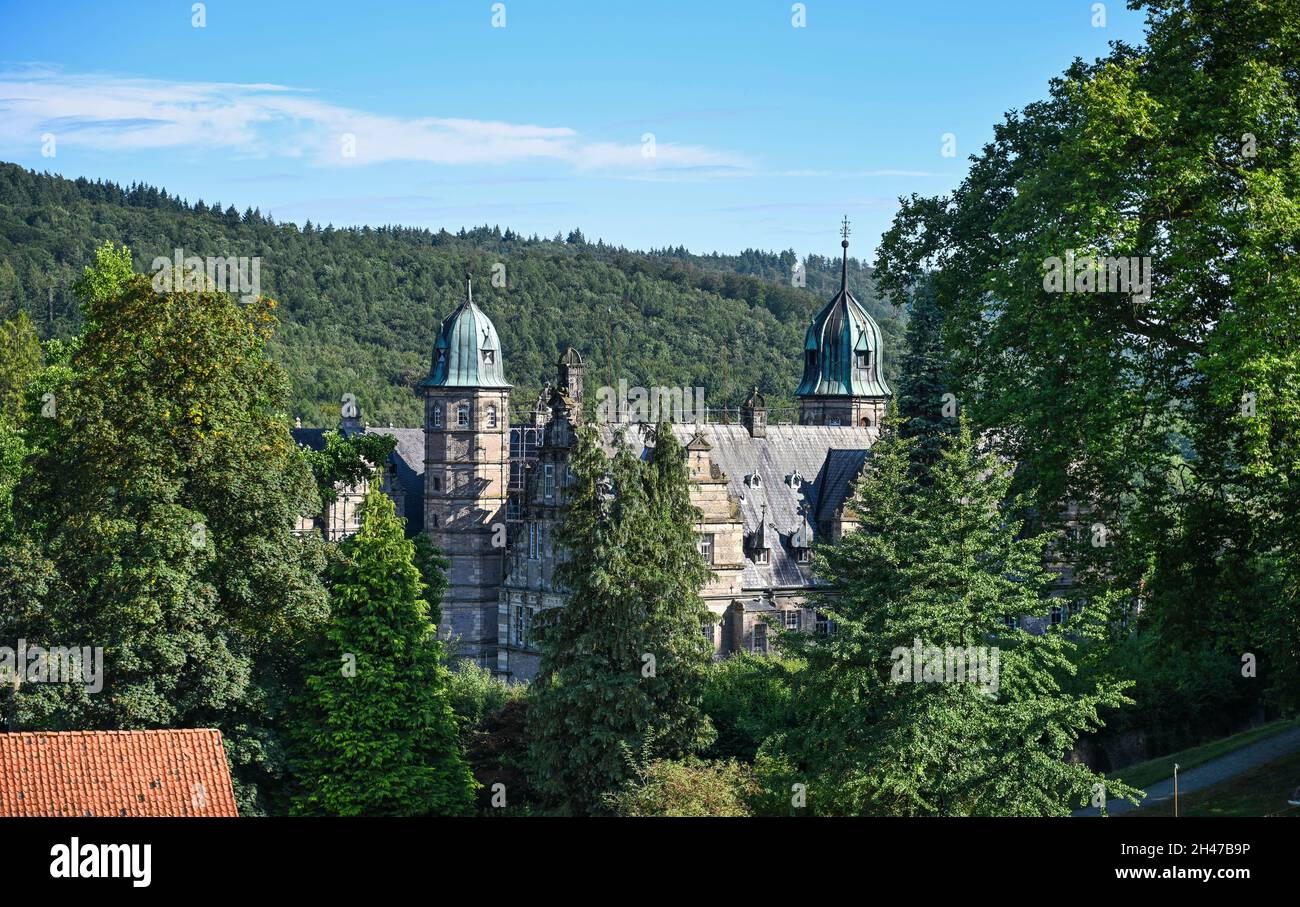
117	113
858	174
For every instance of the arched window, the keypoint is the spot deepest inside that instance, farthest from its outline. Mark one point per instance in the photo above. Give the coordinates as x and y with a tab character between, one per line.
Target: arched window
491	416
437	415
866	421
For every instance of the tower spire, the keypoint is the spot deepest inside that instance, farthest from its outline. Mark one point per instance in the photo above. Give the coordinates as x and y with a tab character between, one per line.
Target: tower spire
469	288
844	265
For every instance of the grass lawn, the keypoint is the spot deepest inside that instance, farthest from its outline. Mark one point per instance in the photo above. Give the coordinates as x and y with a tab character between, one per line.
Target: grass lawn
1142	774
1260	792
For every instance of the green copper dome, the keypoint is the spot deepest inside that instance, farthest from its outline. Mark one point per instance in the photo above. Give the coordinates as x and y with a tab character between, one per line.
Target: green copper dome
842	349
467	352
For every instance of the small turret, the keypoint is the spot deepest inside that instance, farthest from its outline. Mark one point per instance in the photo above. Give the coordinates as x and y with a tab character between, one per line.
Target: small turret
571	369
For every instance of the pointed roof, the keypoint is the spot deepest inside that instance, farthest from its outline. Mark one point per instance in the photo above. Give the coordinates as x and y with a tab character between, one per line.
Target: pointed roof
839	331
765	535
698	441
467	352
802	537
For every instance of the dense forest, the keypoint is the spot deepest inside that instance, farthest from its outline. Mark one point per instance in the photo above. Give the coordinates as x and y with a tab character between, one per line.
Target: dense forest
359	307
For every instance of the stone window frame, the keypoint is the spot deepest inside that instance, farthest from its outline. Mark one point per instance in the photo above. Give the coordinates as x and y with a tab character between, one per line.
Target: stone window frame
706	545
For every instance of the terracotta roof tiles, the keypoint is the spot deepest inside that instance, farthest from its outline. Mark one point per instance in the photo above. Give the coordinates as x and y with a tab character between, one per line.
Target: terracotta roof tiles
180	772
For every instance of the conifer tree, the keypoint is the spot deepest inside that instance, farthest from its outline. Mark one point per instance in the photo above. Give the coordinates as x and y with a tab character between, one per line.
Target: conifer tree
20	358
623	661
377	734
941	565
924	382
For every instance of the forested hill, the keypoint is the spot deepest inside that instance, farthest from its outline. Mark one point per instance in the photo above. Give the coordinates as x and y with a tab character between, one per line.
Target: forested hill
359	307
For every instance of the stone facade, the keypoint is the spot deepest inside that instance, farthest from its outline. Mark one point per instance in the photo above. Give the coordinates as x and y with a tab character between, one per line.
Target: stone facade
491	495
466	478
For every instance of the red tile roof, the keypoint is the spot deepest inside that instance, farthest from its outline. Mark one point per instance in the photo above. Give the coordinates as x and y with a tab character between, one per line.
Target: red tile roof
115	773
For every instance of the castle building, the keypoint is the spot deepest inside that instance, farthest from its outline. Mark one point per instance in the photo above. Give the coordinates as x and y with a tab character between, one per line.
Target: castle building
492	494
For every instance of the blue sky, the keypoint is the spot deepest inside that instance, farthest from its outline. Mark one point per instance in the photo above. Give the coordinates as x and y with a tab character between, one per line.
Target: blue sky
764	134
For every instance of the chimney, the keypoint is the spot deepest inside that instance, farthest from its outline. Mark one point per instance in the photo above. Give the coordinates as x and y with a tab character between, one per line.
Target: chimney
753	415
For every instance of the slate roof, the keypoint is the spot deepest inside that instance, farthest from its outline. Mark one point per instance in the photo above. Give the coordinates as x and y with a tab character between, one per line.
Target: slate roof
408	462
311	438
178	772
842	467
821	455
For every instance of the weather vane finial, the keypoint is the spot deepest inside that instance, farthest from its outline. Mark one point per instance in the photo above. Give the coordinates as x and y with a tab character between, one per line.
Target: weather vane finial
844	264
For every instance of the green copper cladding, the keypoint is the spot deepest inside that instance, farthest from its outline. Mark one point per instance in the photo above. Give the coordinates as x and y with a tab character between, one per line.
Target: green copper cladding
841	338
467	352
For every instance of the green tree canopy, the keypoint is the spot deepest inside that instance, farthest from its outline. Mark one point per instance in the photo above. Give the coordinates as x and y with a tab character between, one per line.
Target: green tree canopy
623	662
376	731
154	516
939	571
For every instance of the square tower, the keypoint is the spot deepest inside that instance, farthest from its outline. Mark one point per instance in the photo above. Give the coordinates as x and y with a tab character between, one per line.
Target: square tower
467	474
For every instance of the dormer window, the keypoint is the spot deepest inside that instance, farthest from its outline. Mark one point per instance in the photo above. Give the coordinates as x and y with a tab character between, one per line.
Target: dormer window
491	413
489	357
754	480
762	556
802	555
794	480
810	359
864	359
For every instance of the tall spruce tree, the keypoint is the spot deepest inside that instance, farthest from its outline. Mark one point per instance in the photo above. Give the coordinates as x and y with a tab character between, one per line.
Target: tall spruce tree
937	565
623	661
20	359
377	735
923	384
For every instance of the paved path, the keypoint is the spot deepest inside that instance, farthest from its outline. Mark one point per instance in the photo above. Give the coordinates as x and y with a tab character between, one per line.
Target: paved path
1212	772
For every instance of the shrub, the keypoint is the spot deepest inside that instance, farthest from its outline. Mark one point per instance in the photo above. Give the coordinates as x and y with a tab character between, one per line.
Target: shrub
687	787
